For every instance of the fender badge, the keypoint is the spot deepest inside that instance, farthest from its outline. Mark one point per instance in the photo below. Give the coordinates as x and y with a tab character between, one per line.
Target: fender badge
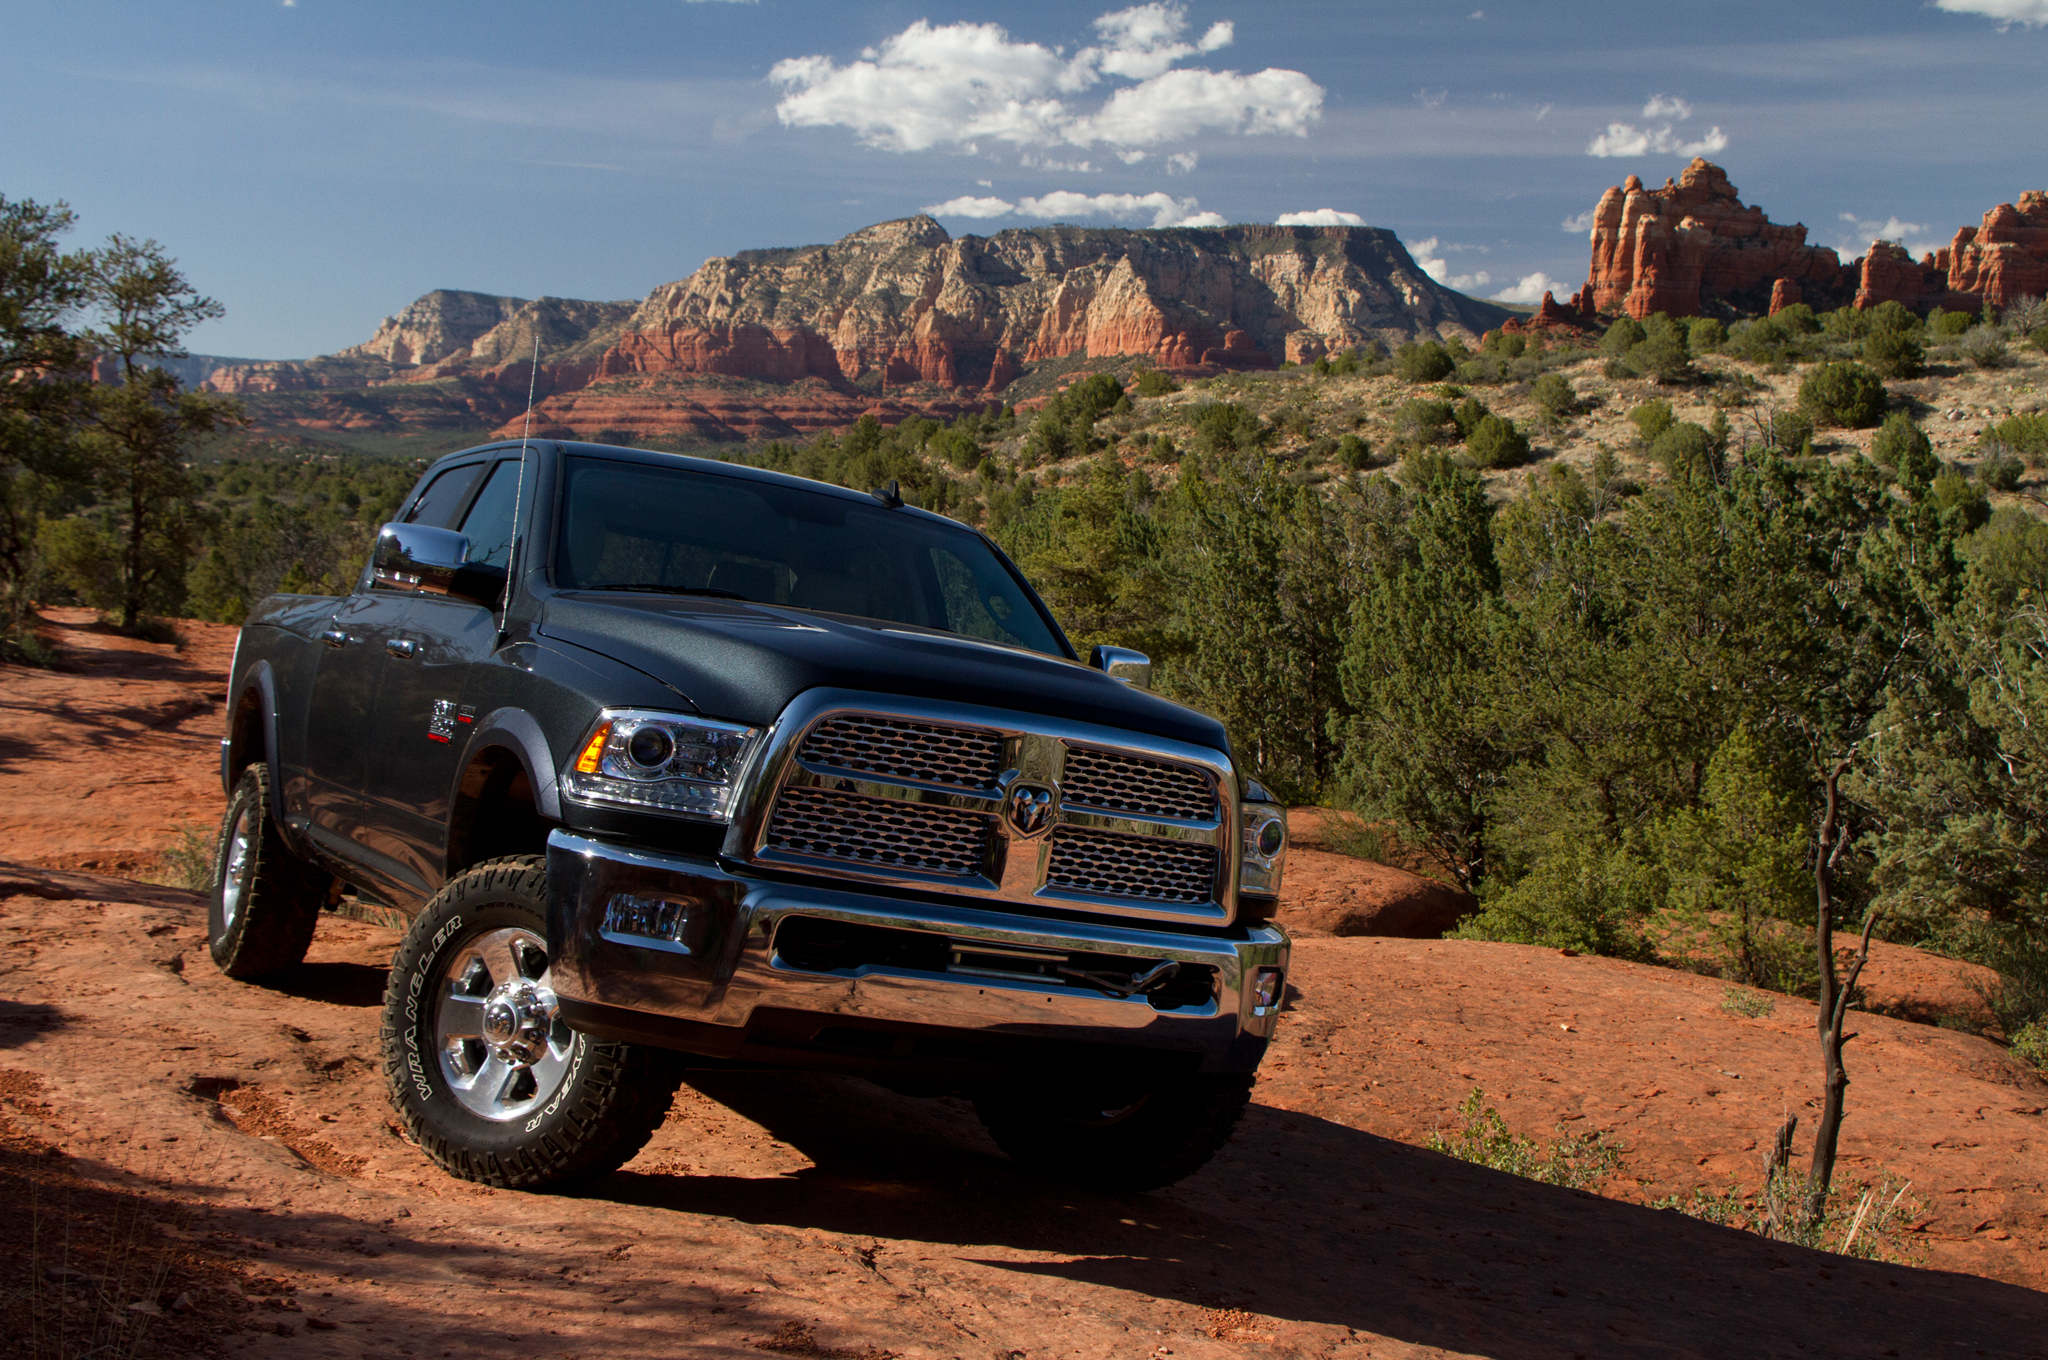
446	717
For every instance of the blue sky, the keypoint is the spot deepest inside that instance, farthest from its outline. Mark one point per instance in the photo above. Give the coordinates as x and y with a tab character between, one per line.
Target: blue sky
316	165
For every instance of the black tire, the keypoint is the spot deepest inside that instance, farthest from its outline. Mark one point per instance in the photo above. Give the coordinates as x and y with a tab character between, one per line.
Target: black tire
546	1108
1141	1136
266	900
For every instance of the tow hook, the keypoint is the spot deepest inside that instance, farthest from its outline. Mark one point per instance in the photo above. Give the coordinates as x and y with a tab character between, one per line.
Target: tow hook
1151	980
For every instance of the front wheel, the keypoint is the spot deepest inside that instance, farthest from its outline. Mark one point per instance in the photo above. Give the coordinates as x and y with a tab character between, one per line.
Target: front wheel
266	900
1124	1137
488	1078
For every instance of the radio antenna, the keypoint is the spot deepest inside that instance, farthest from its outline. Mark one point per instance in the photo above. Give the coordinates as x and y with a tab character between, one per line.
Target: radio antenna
519	486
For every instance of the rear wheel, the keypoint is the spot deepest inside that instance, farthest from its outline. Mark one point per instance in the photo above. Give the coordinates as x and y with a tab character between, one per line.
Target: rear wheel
1130	1136
266	900
489	1079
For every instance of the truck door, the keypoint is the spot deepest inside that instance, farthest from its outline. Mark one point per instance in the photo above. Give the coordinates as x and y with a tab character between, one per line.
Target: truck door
344	718
426	730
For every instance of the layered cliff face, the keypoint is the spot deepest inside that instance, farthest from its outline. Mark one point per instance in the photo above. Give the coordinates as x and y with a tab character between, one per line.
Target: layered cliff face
1693	246
435	326
908	303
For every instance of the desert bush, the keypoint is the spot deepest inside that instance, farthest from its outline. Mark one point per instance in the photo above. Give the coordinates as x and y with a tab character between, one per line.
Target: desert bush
2000	471
1423	421
1686	450
1893	316
1767	340
1903	447
1651	419
1705	334
2024	436
1622	336
1986	348
1948	325
1789	432
1894	353
1846	323
1468	414
1425	363
1495	443
1151	382
189	859
1750	1005
2031	1044
1354	453
1507	344
1589	897
957	447
1846	395
1554	398
1484	1139
1227	427
1798	319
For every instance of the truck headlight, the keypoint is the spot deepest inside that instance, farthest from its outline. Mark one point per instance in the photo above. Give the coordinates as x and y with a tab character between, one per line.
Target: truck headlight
663	762
1265	848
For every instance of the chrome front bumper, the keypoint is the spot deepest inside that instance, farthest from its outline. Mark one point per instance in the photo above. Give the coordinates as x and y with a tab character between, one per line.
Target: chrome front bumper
727	992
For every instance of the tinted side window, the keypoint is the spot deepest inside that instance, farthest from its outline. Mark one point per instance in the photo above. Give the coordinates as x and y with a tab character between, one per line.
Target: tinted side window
488	525
437	505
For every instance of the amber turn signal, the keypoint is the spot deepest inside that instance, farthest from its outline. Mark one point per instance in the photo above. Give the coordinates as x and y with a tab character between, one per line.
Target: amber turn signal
594	751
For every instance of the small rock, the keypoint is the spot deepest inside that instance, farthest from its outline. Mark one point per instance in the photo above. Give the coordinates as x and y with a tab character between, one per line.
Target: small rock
146	1306
285	1329
182	1304
65	1275
320	1324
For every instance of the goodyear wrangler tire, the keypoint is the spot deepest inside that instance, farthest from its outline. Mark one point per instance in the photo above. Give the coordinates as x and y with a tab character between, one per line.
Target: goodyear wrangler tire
266	900
1134	1138
488	1079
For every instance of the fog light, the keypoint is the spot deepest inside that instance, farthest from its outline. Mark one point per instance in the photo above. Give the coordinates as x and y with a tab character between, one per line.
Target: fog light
653	922
1267	987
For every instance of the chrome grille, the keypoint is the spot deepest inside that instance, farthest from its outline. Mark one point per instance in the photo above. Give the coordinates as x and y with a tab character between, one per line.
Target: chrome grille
1144	868
963	757
880	831
1121	783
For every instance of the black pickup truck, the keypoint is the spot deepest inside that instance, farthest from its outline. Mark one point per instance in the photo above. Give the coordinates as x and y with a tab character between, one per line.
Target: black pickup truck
671	762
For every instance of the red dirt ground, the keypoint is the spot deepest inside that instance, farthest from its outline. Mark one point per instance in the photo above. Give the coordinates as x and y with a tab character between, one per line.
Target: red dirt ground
243	1132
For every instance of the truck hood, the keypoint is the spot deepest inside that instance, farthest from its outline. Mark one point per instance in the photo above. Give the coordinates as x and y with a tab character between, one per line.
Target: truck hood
744	662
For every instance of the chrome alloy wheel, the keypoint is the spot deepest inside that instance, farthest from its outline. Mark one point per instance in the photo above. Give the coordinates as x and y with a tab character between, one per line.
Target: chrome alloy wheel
503	1046
235	873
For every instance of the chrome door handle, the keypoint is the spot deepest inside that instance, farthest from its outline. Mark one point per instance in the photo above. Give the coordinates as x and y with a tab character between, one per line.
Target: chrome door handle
335	637
401	646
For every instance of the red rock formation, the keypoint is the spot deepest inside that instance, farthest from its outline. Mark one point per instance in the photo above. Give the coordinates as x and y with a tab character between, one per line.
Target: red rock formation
2006	258
1551	315
1672	249
1785	293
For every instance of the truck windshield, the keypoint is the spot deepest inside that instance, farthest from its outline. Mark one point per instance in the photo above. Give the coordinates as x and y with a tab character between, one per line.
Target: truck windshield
641	527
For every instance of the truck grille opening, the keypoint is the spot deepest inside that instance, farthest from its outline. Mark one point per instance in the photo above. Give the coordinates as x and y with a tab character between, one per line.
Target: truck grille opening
963	757
844	826
818	944
1143	868
1121	783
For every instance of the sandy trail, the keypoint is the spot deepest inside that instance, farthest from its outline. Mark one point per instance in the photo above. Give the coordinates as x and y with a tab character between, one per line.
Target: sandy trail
820	1216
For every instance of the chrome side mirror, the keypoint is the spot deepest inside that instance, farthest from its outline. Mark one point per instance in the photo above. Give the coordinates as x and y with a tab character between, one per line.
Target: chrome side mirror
417	557
1121	663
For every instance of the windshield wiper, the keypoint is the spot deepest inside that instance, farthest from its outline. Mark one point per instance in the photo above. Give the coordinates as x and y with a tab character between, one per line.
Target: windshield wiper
670	590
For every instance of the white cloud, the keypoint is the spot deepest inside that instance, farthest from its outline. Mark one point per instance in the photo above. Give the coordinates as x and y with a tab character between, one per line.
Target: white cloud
1432	99
1626	139
1164	209
950	84
1319	217
1583	222
2032	13
1862	231
968	206
1427	255
1532	288
1182	163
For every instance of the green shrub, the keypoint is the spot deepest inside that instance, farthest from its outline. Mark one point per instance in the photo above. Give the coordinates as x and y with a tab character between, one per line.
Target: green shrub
1685	450
1948	325
1706	334
1789	432
1589	897
2026	437
1426	362
1507	344
1468	415
2031	1043
1798	319
1894	353
2001	472
1895	317
1354	453
1954	494
1496	443
1423	421
1848	396
1846	323
1554	397
1226	427
1624	335
957	447
1484	1139
1152	383
1767	340
1985	348
1651	419
1901	445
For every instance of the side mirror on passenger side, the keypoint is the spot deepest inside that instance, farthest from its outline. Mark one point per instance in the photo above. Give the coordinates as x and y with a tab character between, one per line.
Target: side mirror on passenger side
1121	663
417	557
